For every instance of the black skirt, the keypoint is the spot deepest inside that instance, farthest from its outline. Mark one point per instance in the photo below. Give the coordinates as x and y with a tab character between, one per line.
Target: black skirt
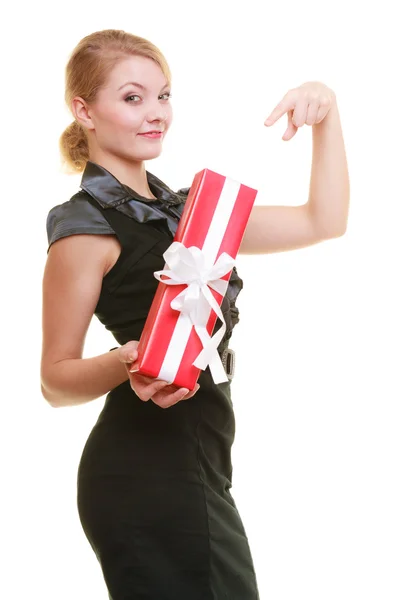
154	499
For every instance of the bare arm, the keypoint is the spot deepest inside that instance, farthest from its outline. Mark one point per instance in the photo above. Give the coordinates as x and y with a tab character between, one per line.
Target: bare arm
76	381
324	216
72	282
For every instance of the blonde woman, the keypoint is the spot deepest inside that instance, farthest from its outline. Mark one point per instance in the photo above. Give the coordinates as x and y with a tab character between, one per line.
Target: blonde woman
155	474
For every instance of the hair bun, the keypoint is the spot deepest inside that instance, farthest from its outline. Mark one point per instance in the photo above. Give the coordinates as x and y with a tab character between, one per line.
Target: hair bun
74	147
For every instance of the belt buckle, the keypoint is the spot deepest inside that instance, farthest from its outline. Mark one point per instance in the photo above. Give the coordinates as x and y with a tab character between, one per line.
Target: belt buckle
228	360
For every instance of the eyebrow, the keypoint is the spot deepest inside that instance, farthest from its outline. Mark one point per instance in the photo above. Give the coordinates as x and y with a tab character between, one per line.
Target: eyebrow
139	85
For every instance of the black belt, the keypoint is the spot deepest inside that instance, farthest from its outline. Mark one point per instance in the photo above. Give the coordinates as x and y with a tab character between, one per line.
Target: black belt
228	360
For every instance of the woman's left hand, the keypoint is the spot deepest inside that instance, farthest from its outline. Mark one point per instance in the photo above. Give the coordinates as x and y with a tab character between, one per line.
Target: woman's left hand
307	104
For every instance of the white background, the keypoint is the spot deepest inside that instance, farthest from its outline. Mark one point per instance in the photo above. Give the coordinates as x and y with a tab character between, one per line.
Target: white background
316	392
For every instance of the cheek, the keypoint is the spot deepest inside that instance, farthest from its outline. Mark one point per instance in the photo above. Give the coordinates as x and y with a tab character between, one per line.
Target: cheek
170	116
121	118
130	118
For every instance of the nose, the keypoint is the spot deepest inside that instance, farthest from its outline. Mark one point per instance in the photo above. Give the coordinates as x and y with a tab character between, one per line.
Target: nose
157	113
156	116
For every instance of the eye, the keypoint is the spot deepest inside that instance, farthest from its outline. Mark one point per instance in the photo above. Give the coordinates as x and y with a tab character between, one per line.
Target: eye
128	99
168	94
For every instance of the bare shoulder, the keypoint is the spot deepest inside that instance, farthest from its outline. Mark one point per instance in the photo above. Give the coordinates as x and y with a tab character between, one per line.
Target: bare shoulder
75	251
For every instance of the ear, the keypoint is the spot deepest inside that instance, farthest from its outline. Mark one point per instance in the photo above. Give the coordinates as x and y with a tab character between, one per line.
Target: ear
80	110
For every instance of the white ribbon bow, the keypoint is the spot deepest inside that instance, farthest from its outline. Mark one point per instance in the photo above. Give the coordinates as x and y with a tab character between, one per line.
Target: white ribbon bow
188	266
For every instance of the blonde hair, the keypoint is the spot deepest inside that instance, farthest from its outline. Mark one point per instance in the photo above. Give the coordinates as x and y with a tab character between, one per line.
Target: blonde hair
86	72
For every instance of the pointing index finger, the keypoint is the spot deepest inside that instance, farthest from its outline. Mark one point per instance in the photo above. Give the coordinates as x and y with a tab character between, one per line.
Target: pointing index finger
281	109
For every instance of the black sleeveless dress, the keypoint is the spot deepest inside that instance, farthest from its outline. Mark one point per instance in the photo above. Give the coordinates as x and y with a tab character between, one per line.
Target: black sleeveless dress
153	484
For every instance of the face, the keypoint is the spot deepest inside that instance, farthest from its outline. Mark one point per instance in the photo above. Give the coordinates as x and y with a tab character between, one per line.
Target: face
133	101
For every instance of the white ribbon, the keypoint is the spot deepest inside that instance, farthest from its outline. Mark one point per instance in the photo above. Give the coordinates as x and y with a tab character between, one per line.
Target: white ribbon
188	266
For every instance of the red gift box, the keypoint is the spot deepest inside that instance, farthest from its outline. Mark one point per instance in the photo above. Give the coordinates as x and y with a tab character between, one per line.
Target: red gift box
202	254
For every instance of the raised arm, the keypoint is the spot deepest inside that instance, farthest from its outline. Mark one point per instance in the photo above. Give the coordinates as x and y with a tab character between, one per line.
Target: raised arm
324	216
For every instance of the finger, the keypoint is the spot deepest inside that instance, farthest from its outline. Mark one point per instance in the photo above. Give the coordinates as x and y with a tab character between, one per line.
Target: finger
179	395
289	134
148	391
322	112
134	367
282	108
129	356
161	396
300	113
291	128
192	393
169	400
312	112
128	352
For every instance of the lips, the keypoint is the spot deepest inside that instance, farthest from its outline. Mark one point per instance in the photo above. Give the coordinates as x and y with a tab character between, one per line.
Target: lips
148	132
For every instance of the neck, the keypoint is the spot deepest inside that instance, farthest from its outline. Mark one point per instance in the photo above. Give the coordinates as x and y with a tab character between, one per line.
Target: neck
129	172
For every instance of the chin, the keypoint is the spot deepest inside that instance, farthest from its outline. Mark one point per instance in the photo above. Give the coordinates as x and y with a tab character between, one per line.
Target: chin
151	154
139	156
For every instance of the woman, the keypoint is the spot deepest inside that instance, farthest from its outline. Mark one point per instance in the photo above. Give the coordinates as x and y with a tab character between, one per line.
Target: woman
154	484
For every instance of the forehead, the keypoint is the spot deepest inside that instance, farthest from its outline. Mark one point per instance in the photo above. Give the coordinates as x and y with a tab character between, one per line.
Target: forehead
139	69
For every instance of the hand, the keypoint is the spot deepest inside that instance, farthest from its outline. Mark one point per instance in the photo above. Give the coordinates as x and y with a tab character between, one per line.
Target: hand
160	392
308	104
